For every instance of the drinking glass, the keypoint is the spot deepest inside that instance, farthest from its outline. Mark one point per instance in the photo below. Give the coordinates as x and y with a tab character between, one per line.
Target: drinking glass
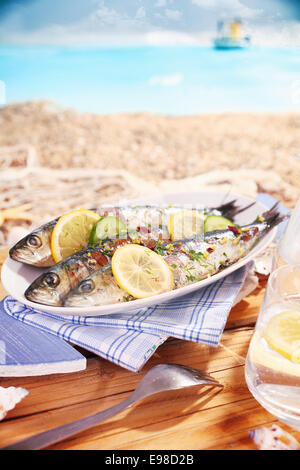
288	247
272	369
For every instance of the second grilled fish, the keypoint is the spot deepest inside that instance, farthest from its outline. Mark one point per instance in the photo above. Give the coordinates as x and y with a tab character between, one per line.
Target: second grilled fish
191	261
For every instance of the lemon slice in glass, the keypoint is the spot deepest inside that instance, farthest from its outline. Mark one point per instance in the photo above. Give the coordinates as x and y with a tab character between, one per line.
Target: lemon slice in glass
283	334
186	224
140	271
72	232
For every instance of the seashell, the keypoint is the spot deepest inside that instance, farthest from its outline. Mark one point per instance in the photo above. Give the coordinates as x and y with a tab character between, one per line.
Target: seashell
9	397
264	261
273	438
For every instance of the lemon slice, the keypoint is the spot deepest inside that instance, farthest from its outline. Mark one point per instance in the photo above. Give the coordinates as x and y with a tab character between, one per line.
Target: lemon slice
71	233
283	334
140	271
185	224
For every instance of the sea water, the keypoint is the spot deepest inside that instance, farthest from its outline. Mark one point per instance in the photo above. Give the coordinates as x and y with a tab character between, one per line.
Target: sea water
169	80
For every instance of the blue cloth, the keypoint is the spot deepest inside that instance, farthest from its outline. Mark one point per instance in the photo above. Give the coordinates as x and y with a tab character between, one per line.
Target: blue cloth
129	339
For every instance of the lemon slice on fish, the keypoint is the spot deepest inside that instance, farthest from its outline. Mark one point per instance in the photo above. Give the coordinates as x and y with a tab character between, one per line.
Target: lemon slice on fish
283	334
186	224
72	232
140	271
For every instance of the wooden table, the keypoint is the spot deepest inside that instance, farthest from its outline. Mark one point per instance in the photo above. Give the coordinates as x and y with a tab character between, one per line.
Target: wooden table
188	419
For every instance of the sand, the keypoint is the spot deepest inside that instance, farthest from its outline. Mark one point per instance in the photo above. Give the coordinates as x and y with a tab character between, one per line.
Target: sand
247	148
155	146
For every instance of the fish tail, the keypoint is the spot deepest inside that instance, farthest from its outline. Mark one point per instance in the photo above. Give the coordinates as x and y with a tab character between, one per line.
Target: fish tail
270	218
273	216
231	209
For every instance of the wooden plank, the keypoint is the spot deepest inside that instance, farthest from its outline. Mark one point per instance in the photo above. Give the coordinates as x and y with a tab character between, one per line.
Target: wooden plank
186	419
198	418
60	398
103	379
162	408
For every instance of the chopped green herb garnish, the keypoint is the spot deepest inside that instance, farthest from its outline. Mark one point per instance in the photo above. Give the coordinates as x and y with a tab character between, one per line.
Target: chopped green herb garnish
160	248
190	277
195	256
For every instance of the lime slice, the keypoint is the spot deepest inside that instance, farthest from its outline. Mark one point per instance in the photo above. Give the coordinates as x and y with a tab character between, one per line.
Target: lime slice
216	222
106	227
140	271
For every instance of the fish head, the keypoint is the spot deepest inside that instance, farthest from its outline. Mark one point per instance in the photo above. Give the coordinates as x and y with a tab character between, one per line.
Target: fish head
52	286
85	294
100	288
49	288
34	249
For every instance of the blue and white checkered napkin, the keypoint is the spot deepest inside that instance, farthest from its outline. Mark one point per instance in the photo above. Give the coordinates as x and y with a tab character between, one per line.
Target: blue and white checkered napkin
129	339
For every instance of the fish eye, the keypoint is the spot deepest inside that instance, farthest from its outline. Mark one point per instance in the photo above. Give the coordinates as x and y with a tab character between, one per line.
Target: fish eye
86	287
51	280
34	241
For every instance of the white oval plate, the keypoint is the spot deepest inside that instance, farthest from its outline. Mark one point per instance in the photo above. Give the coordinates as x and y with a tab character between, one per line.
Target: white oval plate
16	277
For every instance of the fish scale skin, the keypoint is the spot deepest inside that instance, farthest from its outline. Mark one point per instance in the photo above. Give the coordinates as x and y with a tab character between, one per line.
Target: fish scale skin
178	256
132	216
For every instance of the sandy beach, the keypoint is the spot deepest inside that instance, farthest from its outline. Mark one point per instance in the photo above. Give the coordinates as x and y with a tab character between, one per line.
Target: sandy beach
155	146
247	148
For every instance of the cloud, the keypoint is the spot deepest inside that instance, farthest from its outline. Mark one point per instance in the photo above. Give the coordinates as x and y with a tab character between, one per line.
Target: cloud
106	16
232	7
160	3
141	13
173	14
161	22
173	38
166	80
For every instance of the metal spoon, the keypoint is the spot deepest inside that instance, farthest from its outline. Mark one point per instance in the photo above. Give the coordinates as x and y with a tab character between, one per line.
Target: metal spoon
160	378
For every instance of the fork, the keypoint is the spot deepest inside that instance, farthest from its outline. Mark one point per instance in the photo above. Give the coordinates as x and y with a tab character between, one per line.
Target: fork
160	378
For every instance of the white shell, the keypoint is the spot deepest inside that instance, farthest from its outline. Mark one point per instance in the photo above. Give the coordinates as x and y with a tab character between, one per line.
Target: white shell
263	262
273	438
9	397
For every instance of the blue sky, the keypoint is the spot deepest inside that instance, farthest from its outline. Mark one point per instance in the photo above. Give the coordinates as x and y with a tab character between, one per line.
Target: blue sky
106	22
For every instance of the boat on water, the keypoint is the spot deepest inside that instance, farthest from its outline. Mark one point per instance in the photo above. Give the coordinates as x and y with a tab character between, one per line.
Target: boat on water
230	35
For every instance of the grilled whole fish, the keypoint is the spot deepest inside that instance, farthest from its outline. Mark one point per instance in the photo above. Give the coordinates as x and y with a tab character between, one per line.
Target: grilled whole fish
34	249
52	286
191	260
